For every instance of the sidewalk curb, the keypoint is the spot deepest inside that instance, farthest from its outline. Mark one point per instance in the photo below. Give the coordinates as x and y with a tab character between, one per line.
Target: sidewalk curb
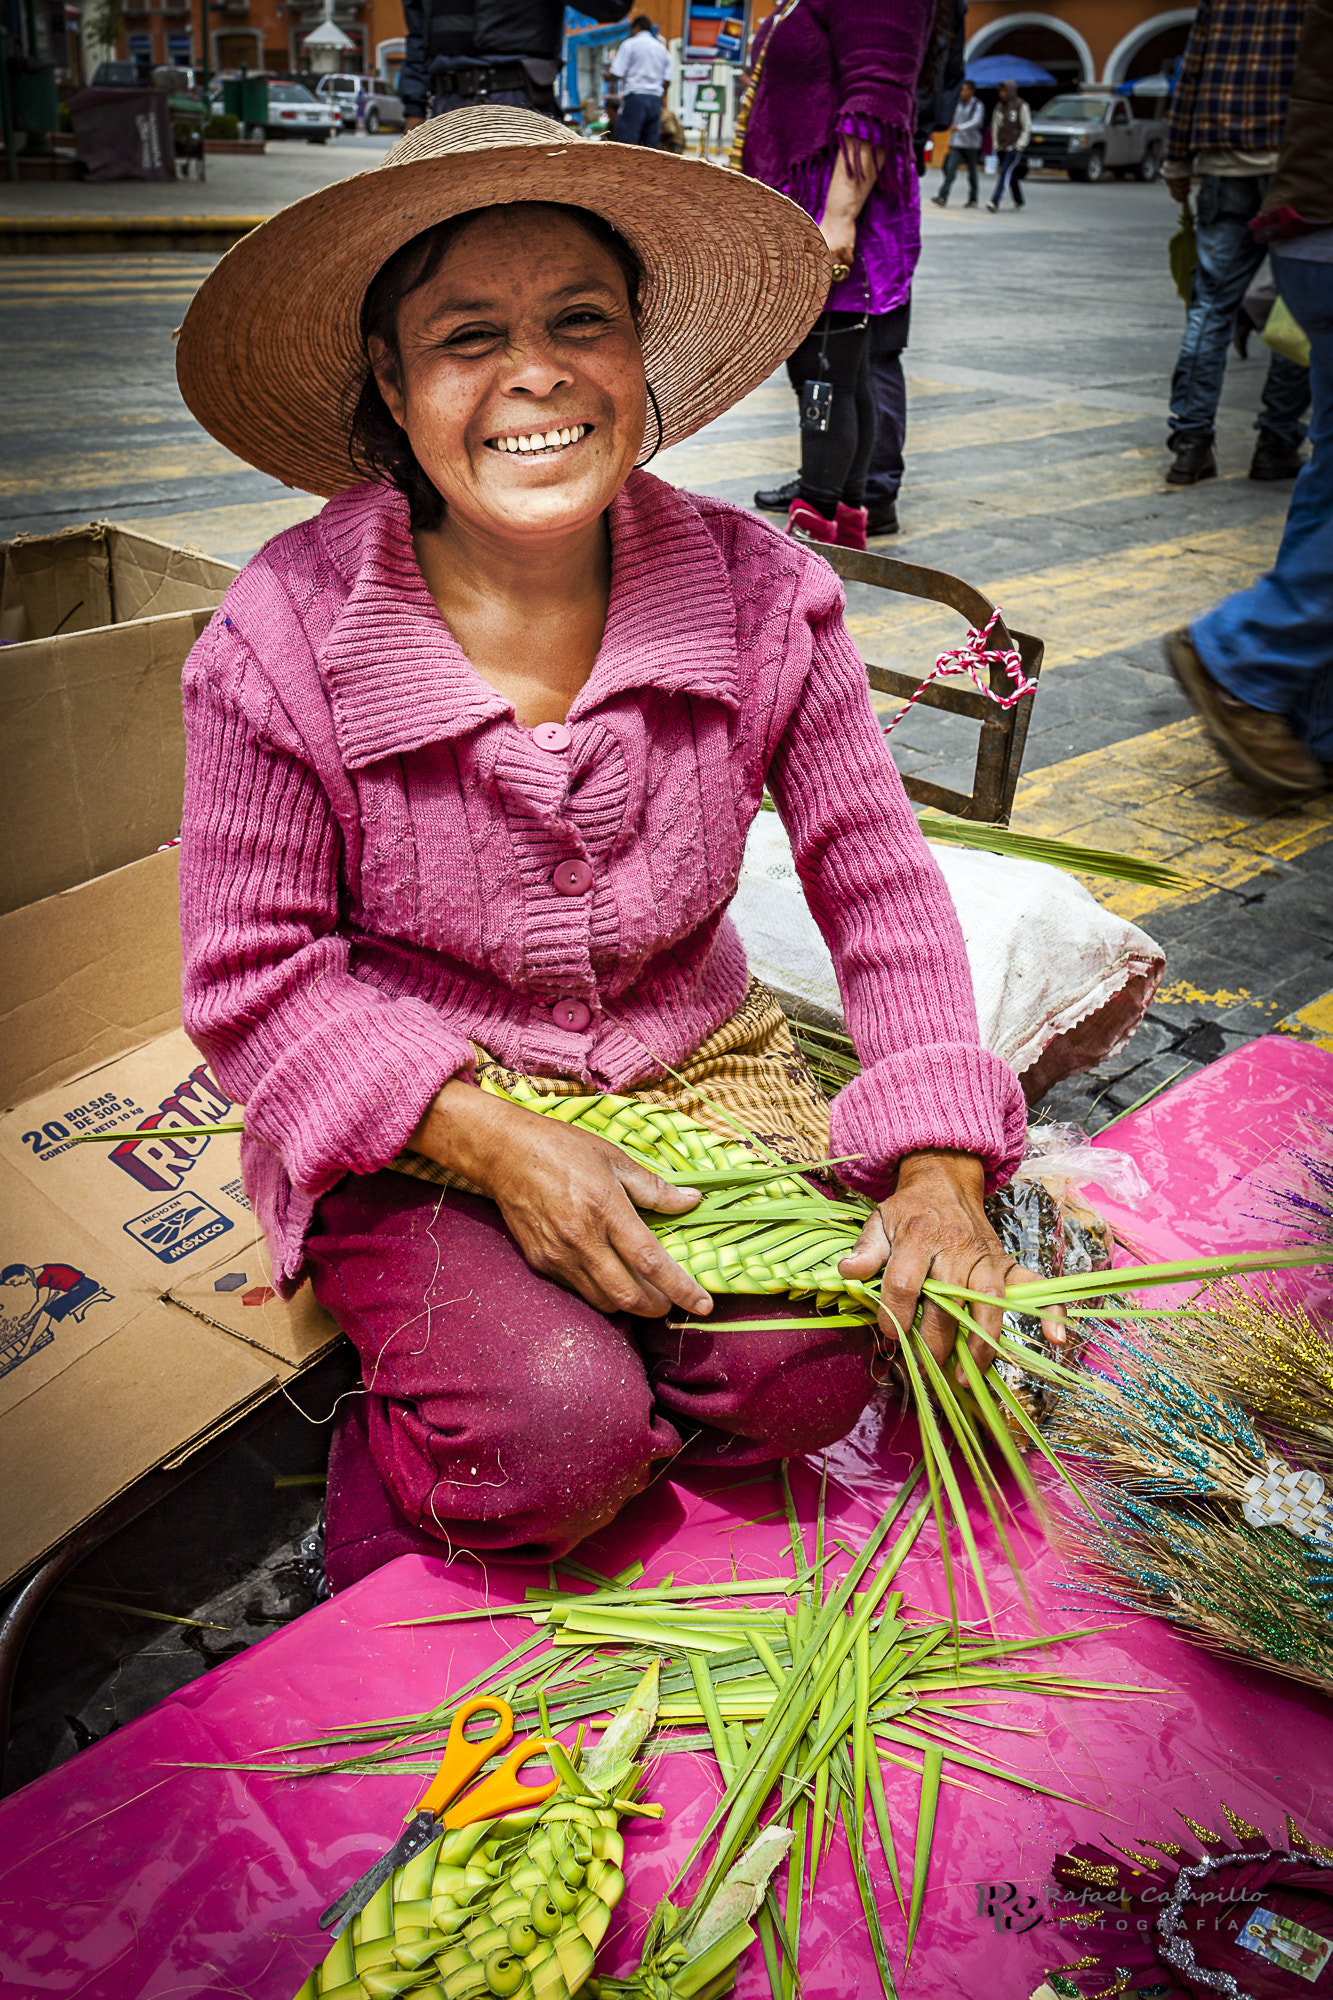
57	235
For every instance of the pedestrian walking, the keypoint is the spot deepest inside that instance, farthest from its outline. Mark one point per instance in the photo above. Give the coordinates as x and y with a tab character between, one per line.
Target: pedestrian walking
456	55
361	101
471	760
964	147
1259	666
828	120
642	70
1011	130
1227	116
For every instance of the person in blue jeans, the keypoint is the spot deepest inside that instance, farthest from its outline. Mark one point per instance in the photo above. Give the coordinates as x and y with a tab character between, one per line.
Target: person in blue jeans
1229	257
964	147
1259	666
1228	114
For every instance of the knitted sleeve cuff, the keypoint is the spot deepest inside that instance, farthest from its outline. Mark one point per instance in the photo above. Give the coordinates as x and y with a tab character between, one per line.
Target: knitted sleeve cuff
346	1095
943	1094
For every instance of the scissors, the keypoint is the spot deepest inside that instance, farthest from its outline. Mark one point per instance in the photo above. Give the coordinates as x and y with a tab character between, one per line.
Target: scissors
500	1793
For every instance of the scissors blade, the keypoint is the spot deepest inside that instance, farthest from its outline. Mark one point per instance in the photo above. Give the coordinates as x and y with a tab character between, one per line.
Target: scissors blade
418	1833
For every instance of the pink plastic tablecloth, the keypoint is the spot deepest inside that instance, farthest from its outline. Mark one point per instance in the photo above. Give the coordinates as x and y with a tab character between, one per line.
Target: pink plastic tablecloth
126	1873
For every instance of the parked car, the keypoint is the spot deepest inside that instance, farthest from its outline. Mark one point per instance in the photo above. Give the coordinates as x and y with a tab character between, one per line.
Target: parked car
1094	133
296	113
119	76
384	107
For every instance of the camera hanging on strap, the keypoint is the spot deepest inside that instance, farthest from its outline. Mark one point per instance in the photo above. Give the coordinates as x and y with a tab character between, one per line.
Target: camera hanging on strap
816	398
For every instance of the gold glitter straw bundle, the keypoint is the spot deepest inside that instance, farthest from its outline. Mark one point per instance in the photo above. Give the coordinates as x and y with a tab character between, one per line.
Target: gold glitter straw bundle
1207	1433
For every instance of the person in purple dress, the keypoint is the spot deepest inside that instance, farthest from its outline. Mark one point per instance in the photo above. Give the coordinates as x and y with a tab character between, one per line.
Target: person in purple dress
829	123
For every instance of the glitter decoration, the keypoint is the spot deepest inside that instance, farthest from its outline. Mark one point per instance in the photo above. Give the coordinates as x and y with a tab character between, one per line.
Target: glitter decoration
1205	1435
1165	1920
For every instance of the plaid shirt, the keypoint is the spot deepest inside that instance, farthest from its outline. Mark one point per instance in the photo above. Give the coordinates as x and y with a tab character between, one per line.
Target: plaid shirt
1235	78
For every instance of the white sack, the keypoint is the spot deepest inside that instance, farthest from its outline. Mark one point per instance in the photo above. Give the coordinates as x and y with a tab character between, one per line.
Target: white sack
1060	983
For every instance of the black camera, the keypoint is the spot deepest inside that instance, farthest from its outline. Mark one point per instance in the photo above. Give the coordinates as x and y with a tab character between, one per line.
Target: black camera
816	405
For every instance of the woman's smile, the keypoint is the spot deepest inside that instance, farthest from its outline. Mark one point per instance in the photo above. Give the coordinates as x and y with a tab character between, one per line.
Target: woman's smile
541	444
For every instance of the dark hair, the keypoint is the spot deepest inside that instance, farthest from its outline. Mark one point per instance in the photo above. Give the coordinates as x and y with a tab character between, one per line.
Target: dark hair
642	21
378	446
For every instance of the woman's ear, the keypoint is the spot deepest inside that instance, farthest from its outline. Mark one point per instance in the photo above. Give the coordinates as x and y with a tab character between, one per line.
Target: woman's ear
384	367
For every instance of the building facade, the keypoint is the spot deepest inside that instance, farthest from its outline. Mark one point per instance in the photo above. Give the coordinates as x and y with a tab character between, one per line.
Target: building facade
1078	41
1082	41
259	34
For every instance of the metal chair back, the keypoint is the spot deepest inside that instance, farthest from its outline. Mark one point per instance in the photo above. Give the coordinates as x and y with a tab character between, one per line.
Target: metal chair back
1003	730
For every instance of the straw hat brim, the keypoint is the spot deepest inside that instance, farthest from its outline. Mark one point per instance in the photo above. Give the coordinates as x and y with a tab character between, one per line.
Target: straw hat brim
270	358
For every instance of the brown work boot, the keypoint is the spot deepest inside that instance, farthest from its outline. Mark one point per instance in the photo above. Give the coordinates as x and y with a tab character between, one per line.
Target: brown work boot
1259	747
1194	459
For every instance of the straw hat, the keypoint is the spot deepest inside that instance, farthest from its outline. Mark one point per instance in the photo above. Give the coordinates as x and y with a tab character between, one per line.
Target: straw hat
270	357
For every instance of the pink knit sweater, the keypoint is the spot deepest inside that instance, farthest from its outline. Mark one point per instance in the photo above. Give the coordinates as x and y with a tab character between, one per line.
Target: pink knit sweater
372	848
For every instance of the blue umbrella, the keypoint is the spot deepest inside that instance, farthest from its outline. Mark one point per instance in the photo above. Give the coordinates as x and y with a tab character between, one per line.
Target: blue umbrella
1005	69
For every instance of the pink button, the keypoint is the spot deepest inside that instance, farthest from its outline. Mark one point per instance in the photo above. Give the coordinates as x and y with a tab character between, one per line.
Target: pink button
573	878
552	736
572	1014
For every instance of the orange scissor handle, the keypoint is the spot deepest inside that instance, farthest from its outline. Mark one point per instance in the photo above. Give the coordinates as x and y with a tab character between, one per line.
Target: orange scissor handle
501	1792
462	1760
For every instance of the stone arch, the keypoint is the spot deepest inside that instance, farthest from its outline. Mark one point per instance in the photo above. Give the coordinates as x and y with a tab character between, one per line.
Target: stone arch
1121	58
1009	26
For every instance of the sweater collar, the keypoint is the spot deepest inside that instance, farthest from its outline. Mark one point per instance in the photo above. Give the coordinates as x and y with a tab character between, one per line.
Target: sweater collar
399	680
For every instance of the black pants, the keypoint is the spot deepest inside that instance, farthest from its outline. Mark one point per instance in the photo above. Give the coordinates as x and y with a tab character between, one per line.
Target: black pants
888	392
834	463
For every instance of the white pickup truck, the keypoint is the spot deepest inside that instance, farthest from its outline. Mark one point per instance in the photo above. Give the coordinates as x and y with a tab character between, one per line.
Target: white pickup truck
1095	133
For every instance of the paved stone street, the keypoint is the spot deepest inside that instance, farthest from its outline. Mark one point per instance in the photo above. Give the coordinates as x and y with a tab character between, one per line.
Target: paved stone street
1038	370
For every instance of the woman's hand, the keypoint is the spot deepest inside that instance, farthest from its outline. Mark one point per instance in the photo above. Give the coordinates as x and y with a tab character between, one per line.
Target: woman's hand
568	1198
849	190
934	1226
839	232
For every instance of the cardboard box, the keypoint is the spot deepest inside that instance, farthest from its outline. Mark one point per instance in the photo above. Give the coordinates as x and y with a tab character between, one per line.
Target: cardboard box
136	1312
98	622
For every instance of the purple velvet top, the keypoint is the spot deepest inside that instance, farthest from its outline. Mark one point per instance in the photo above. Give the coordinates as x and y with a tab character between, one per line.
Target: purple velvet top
835	70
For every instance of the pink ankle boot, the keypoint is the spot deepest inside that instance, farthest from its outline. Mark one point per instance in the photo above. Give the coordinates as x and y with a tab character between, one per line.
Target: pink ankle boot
851	525
812	523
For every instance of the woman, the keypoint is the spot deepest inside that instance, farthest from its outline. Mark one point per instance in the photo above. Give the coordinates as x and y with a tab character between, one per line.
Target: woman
1011	130
964	147
829	122
472	757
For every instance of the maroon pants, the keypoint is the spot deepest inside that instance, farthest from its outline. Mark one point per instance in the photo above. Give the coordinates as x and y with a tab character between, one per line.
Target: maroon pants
503	1412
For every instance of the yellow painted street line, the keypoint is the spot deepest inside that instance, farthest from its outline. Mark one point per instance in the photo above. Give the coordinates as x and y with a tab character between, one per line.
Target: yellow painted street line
706	462
926	385
1085	609
135	464
111	270
1167	796
216	530
709	459
1313	1023
165	288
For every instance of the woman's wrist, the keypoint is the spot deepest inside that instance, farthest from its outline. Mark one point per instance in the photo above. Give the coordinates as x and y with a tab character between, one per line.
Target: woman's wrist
961	1171
462	1129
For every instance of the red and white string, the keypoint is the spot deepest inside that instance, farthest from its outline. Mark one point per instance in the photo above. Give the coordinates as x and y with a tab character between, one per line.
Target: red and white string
975	659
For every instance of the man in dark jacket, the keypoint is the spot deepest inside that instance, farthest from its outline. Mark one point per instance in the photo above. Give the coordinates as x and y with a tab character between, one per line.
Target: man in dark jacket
1226	124
1259	666
503	51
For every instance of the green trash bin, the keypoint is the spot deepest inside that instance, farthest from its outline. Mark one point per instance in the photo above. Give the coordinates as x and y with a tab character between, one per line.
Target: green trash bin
34	103
246	98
